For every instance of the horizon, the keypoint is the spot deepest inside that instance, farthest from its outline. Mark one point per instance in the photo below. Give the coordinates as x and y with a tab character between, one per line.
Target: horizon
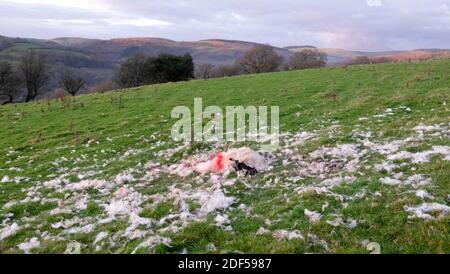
362	25
230	40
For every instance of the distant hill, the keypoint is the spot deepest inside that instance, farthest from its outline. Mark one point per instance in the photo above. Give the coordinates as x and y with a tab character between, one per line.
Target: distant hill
338	56
96	59
215	51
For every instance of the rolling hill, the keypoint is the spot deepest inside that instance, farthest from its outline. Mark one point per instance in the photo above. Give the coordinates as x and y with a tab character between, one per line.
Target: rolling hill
96	59
362	168
339	56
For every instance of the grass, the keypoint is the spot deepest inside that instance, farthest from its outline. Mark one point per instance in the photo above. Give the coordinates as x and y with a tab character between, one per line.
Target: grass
91	134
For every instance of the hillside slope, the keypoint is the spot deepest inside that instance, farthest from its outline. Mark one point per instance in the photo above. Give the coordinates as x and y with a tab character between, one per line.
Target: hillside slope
96	59
214	51
363	164
338	56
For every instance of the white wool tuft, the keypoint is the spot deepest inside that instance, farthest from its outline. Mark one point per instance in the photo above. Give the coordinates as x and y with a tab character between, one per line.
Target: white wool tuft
314	217
82	230
222	220
285	234
124	178
216	201
423	211
389	181
9	231
27	246
86	184
101	236
423	194
125	204
262	231
152	242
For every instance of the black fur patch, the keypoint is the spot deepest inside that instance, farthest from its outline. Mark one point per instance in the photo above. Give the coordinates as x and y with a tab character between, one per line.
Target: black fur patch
239	166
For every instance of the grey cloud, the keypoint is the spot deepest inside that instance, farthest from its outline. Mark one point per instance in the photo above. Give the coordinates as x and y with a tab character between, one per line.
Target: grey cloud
352	24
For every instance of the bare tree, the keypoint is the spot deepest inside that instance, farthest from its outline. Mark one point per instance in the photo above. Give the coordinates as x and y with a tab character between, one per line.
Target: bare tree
307	58
204	71
34	73
72	84
260	59
9	82
131	71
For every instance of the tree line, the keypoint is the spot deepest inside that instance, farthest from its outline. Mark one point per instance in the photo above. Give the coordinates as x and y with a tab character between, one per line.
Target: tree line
263	59
32	73
140	70
27	79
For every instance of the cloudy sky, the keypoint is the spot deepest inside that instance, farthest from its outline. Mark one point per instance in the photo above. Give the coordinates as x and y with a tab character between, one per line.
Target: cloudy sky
350	24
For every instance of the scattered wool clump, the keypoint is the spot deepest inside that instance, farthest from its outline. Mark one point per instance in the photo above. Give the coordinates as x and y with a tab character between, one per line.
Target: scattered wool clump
339	221
126	203
5	179
422	127
425	210
135	221
423	194
222	220
82	230
55	183
313	217
313	190
9	204
385	166
65	224
332	182
9	231
58	211
152	242
301	138
340	151
418	180
211	247
216	201
422	157
86	184
262	231
73	248
443	150
131	152
81	203
285	234
124	178
390	181
31	244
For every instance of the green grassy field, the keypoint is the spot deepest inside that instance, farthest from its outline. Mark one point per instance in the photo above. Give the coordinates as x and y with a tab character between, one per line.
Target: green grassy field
374	147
